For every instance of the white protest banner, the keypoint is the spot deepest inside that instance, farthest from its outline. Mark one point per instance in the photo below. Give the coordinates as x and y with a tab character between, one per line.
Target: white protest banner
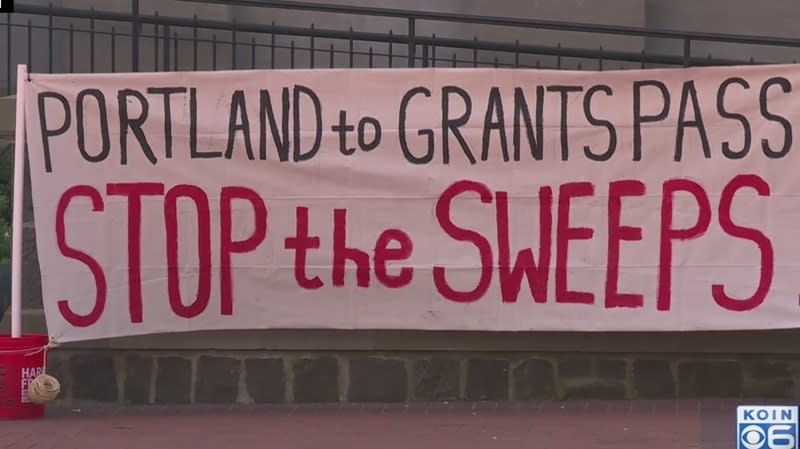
452	199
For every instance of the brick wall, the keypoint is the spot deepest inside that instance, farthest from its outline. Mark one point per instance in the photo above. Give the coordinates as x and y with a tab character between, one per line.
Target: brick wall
138	377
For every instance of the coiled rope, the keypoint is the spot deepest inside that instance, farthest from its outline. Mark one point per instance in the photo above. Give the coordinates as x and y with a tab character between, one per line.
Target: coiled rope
44	388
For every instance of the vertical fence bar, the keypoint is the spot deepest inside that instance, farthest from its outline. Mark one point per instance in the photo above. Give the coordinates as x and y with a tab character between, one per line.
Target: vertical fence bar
370	57
113	50
433	50
350	40
214	51
311	44
425	58
687	52
30	47
291	54
475	52
642	59
391	49
558	58
600	61
333	54
71	48
455	62
194	43
91	40
175	52
155	45
135	25
516	54
253	54
412	44
233	44
166	47
272	47
8	53
50	37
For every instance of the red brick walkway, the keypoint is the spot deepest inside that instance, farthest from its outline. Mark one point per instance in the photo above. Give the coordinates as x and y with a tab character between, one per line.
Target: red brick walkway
706	424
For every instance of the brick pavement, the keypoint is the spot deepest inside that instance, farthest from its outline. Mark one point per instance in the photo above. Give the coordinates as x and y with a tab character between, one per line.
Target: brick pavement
680	424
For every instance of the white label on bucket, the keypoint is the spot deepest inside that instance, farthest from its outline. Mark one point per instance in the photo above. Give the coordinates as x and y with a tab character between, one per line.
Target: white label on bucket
28	374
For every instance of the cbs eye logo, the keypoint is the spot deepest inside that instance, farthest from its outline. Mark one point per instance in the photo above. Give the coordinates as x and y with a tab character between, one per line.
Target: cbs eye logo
776	437
753	437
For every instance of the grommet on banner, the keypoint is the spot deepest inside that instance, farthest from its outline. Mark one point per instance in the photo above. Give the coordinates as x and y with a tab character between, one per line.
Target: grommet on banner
44	388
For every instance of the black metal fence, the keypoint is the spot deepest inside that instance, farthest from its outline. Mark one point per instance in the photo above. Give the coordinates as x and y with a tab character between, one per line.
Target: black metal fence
58	40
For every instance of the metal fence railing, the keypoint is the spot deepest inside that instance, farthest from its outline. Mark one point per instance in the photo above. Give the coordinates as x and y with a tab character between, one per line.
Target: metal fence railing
56	39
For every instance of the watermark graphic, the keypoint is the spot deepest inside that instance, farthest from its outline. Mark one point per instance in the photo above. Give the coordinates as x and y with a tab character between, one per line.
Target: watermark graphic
766	427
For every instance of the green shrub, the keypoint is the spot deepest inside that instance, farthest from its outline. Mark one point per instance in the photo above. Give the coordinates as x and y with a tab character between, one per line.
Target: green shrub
6	171
5	230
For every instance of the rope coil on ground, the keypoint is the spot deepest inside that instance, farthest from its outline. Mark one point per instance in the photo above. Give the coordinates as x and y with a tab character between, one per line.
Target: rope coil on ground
44	388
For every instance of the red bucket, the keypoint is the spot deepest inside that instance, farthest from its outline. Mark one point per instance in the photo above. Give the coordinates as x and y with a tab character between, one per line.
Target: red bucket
18	368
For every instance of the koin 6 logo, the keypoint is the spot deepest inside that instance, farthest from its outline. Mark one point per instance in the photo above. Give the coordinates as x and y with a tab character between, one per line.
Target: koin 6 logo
766	427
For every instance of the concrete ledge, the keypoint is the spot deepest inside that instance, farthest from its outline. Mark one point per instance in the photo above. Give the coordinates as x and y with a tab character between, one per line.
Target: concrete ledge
751	342
246	377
